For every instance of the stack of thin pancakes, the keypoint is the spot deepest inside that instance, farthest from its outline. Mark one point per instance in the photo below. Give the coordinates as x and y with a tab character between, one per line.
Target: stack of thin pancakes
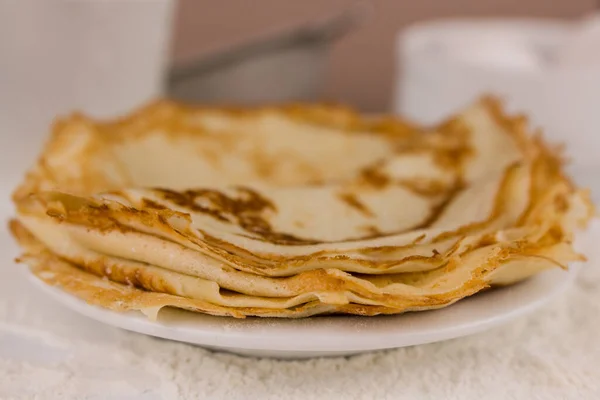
293	211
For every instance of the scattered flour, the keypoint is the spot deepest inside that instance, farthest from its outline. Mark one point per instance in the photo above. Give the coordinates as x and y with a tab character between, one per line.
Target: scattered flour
554	354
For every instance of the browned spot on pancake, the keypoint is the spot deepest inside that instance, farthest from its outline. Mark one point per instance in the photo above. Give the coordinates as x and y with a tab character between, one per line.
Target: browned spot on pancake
282	238
218	204
425	187
246	211
561	203
375	177
391	127
299	224
351	200
213	156
265	167
147	203
371	230
454	147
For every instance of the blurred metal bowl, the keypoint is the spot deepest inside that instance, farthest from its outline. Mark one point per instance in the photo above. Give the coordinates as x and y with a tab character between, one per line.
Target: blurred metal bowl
288	67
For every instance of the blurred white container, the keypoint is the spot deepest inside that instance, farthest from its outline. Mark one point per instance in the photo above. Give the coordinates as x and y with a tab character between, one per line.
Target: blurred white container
100	57
445	65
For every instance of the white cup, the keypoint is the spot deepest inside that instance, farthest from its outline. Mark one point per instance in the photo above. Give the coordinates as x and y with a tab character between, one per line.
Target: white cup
446	65
100	57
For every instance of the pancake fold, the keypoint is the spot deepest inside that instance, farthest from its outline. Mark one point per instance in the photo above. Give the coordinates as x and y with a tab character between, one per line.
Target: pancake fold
294	211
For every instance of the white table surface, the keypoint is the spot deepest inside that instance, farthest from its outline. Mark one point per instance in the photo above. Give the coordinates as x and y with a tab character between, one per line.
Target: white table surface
49	352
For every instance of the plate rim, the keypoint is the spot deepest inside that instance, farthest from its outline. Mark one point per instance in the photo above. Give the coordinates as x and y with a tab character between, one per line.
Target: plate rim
267	339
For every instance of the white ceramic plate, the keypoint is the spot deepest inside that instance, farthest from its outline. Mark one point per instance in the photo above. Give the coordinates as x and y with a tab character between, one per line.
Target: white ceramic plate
335	335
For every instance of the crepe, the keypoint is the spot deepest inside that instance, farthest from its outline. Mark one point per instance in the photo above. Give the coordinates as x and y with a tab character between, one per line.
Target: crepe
294	211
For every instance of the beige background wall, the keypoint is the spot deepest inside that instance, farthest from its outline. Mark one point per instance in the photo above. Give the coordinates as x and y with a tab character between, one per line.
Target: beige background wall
361	65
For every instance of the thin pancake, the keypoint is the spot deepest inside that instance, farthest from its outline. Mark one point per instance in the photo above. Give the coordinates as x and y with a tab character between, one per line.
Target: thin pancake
293	212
